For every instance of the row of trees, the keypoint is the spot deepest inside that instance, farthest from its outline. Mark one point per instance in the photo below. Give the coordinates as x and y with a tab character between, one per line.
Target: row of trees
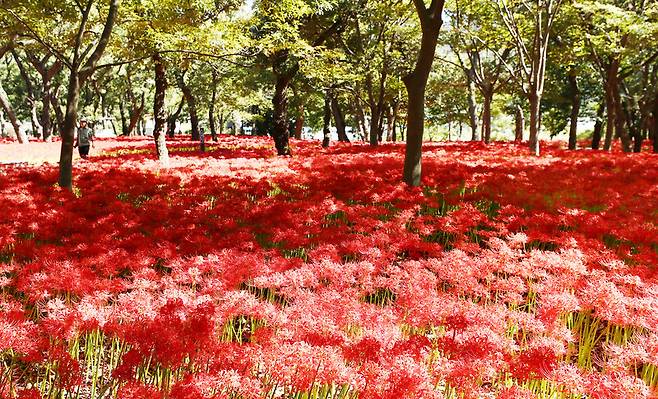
385	68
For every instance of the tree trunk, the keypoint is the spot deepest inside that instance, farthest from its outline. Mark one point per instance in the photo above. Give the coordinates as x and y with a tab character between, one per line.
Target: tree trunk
375	117
396	110
11	115
171	120
389	123
416	83
191	106
31	98
535	101
620	119
159	113
598	126
46	122
520	124
326	125
610	117
655	124
68	132
124	119
135	116
486	115
280	103
360	119
339	119
299	123
575	110
472	108
59	115
211	108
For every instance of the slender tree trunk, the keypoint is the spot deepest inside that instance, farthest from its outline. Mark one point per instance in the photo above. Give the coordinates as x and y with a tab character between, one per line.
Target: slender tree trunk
280	103
416	83
326	125
575	110
610	117
655	123
221	124
191	106
31	98
535	102
159	113
212	121
389	123
339	118
211	107
11	115
59	115
299	123
472	107
520	124
46	122
68	132
396	110
34	119
486	115
135	116
359	116
124	119
284	70
374	125
620	119
171	120
598	126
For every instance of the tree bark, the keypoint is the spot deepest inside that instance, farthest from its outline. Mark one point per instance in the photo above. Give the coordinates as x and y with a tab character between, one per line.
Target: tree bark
326	120
575	110
655	123
598	126
57	108
135	116
299	123
520	124
620	119
211	107
159	113
280	103
11	115
416	83
610	117
284	69
124	119
535	102
46	122
472	107
68	132
171	120
359	115
31	98
339	119
191	106
486	115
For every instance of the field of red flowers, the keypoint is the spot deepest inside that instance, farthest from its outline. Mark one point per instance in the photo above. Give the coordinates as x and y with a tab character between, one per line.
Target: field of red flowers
237	274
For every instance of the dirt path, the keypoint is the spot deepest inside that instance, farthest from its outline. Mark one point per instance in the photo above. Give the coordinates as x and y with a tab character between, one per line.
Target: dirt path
37	153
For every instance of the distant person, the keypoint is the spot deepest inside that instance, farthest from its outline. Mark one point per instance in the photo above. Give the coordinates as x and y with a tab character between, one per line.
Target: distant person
85	139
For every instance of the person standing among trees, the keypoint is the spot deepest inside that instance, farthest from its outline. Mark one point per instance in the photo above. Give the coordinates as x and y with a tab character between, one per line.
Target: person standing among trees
85	139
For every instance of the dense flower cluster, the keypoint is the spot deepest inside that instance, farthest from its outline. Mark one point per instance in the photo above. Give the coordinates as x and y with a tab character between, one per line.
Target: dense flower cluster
234	273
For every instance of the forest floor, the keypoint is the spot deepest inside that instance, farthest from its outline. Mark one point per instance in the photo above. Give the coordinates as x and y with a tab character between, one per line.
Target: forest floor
238	274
